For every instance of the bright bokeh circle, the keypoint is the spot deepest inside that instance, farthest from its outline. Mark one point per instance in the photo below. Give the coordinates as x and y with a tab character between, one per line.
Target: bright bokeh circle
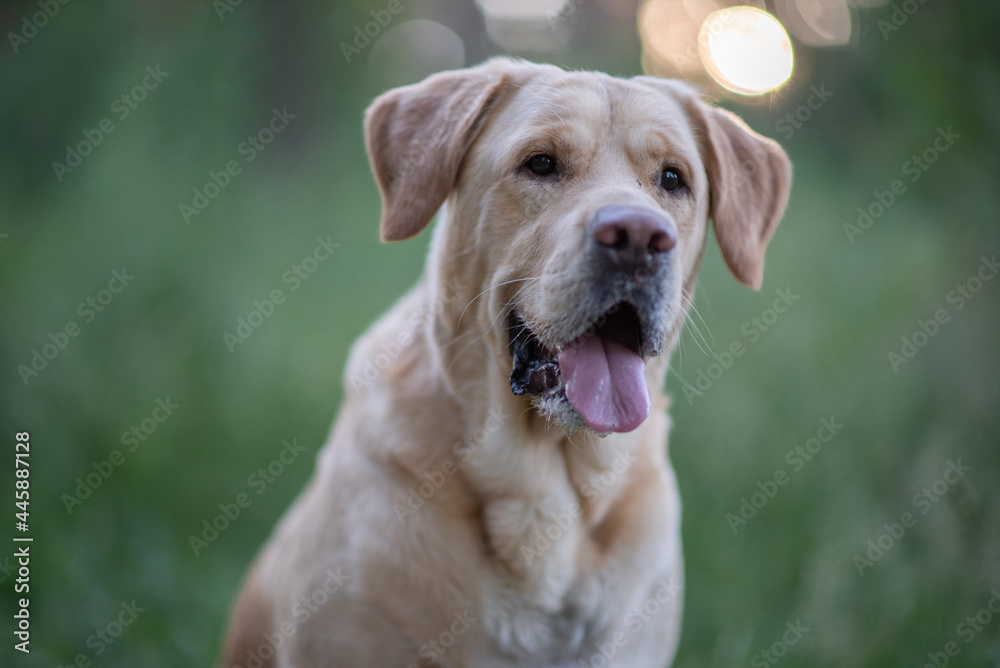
745	50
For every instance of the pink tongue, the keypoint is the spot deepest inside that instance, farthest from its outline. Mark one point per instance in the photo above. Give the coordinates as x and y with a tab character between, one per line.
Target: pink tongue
605	383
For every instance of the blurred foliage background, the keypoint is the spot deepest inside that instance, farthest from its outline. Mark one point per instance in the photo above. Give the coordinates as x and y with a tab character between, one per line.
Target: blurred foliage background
230	65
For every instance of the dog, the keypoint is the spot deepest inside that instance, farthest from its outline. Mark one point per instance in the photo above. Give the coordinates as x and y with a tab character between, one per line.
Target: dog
496	490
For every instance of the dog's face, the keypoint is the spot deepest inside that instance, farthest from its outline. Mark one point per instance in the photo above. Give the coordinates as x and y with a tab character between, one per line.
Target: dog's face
579	205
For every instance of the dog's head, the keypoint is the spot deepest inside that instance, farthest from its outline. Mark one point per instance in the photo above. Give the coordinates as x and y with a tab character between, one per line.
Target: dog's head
577	213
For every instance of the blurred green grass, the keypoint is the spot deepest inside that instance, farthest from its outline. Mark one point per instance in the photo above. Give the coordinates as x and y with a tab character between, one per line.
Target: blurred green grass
162	337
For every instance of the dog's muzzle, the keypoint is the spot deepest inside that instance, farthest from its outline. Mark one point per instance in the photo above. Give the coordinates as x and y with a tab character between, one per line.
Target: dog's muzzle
600	369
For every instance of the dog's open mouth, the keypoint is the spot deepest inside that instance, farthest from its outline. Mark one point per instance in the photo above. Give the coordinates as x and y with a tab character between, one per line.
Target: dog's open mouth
601	373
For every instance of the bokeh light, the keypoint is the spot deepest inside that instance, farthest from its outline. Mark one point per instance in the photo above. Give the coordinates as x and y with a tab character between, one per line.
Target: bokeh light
745	50
817	23
412	50
669	30
528	25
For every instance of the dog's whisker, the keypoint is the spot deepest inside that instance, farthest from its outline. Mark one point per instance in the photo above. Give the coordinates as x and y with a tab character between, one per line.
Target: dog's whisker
680	337
696	328
474	340
507	308
456	339
493	287
680	352
690	303
569	439
500	317
470	249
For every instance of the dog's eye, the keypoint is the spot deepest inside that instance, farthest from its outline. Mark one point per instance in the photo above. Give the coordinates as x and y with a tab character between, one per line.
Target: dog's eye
542	164
671	180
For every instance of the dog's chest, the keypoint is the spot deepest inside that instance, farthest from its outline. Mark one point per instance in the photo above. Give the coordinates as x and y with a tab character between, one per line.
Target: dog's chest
552	610
519	627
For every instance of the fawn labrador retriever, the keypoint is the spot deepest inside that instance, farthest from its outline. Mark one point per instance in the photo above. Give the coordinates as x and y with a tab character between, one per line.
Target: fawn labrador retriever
496	490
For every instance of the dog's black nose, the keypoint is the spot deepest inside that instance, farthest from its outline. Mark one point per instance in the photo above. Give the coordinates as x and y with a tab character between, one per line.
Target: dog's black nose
632	236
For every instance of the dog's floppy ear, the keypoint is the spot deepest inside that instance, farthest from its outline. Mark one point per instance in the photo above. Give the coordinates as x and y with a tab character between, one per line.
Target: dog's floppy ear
417	137
749	179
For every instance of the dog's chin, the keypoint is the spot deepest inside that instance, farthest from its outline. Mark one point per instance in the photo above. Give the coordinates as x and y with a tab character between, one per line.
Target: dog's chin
596	380
557	410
